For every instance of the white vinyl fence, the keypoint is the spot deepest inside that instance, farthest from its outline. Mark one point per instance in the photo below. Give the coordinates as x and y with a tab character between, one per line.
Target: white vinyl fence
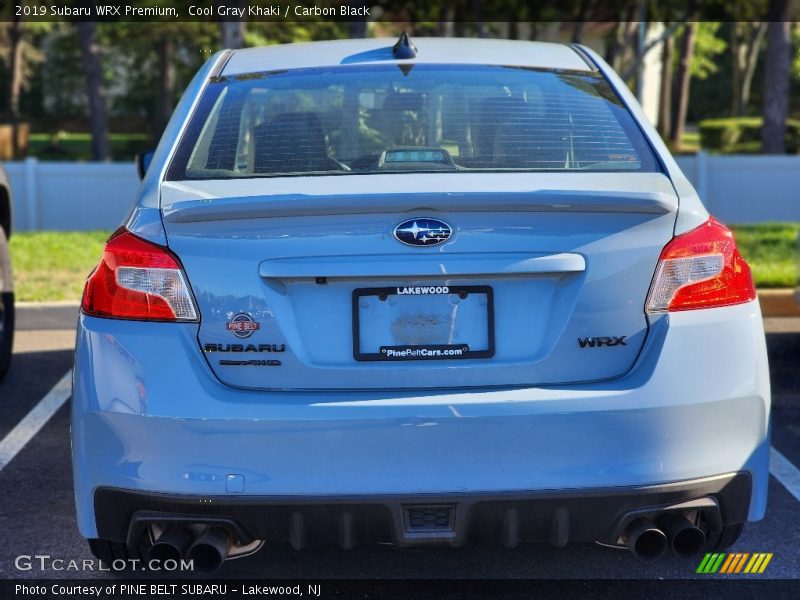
70	195
83	196
746	188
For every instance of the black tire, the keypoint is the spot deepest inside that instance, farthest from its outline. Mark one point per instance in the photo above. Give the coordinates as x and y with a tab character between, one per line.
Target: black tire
6	300
725	538
6	331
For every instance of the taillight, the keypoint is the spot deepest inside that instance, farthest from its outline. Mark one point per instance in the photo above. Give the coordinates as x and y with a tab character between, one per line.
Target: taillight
137	279
701	268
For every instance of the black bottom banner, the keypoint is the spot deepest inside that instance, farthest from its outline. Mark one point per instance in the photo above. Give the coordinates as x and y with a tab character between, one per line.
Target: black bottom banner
120	589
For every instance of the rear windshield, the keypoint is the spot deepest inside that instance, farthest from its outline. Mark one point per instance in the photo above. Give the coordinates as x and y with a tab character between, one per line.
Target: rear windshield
408	119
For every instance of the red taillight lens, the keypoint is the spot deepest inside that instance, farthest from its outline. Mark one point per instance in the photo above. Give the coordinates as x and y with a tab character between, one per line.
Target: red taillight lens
701	268
137	279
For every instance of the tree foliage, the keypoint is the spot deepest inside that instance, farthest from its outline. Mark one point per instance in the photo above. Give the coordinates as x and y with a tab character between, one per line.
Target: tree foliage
707	48
146	65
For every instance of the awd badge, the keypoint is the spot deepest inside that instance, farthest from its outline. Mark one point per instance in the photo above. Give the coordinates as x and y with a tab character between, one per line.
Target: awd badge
242	325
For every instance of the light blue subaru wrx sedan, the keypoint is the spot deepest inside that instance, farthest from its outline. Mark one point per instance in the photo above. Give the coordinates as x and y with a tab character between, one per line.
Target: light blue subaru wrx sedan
427	292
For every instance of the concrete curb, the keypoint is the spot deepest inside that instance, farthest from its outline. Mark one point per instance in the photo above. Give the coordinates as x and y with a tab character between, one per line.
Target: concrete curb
64	314
47	305
46	315
779	303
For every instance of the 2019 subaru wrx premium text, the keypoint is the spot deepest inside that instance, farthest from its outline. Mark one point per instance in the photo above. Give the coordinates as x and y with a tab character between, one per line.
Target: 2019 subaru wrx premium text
423	293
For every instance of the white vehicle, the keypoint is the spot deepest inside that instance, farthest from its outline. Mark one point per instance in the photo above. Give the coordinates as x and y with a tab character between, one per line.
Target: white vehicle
6	279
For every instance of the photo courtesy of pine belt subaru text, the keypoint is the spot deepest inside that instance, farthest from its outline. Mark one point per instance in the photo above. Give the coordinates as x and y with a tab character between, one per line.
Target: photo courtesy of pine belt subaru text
419	292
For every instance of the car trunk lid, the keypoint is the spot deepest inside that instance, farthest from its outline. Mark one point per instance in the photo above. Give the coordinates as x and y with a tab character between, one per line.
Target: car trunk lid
301	283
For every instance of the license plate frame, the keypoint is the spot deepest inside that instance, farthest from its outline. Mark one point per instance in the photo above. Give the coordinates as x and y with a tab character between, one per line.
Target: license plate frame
425	351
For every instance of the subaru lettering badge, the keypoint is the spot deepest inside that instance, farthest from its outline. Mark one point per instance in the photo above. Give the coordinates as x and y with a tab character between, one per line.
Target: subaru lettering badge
422	232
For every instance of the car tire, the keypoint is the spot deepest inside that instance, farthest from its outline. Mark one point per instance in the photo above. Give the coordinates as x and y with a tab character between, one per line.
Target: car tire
108	551
725	538
6	332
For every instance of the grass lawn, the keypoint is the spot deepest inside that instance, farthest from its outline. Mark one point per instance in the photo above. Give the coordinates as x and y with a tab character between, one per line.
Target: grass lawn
53	265
50	265
771	250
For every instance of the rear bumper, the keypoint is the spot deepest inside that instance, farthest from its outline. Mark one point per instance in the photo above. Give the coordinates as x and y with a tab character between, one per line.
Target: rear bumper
557	517
149	418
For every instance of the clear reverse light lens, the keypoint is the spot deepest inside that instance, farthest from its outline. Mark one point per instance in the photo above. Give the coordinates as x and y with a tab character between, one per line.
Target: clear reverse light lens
674	273
168	284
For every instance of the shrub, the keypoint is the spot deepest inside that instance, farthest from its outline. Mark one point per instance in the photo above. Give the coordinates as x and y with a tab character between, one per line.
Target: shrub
742	135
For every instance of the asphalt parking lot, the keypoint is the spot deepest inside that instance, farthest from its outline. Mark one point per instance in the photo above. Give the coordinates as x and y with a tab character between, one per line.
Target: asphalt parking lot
37	513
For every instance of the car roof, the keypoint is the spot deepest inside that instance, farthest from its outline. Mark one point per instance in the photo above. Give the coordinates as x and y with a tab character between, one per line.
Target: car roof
429	50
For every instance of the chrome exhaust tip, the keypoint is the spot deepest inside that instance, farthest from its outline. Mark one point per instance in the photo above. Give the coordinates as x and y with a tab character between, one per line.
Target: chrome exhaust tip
210	549
645	540
172	544
686	540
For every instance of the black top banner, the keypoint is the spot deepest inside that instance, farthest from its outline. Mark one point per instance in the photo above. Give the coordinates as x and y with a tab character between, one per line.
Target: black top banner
416	11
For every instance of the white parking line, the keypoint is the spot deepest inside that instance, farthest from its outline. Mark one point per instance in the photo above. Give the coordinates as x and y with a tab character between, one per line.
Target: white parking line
35	420
785	472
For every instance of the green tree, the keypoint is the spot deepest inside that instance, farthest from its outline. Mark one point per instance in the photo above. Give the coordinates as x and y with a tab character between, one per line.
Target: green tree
20	57
232	32
697	58
680	102
95	90
153	74
777	65
707	48
746	42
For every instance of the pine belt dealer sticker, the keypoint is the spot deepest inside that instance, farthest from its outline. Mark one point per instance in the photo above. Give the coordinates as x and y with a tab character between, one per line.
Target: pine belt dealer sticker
242	325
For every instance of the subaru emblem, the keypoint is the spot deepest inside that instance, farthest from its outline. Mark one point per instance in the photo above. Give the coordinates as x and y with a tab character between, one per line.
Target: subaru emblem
422	232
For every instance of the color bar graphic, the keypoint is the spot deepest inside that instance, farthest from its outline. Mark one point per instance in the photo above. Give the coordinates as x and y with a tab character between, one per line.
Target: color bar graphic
729	564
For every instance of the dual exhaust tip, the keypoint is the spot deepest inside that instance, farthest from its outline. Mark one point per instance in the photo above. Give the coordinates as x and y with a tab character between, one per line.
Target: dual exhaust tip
207	551
649	541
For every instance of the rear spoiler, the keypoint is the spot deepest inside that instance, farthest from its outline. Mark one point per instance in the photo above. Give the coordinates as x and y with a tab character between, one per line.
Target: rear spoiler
290	205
